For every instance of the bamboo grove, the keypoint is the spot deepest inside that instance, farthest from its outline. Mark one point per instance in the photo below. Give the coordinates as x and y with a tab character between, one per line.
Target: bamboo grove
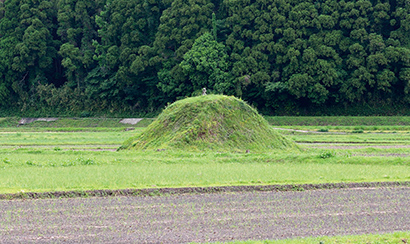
139	55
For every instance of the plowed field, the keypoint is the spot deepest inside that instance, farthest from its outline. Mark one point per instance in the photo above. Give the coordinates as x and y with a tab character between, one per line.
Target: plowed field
206	217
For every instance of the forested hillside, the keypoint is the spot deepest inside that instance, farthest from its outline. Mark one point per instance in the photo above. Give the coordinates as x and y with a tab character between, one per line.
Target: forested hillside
135	56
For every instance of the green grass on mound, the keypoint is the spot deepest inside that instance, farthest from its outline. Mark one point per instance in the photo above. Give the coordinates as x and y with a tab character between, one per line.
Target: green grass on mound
212	122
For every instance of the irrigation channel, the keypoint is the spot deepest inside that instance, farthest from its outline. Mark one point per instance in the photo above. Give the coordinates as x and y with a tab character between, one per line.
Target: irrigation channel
209	217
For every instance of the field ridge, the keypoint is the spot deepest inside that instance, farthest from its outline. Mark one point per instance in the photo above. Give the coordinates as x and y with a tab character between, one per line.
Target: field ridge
150	192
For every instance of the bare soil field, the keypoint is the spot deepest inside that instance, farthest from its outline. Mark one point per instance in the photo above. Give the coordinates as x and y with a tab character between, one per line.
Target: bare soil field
206	217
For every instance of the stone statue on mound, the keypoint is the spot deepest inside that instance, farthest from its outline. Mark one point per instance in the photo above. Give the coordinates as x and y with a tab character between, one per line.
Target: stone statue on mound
203	91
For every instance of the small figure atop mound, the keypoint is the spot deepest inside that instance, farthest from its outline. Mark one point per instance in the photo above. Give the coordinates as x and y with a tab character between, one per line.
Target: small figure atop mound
212	122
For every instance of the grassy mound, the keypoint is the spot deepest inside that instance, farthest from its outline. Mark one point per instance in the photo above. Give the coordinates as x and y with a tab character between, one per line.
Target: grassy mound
212	122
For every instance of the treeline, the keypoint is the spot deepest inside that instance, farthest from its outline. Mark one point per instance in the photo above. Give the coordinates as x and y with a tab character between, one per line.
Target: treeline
136	56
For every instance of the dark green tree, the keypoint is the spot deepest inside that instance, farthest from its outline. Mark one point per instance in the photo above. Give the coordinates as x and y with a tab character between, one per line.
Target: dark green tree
77	29
137	55
126	71
181	24
30	47
206	64
8	40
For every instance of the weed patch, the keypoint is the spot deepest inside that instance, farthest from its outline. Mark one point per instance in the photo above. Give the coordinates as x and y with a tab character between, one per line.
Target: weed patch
323	130
325	155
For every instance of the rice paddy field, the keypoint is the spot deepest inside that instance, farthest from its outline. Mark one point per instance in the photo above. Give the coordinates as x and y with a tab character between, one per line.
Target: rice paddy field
81	155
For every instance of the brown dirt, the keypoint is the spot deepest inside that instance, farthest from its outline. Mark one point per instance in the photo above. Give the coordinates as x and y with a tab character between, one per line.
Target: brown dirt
206	217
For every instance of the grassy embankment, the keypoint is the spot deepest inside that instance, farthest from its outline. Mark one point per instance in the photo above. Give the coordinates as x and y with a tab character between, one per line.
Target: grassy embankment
32	161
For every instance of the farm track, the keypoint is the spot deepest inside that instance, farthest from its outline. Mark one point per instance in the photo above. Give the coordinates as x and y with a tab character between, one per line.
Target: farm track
206	217
401	155
309	131
327	132
321	145
64	146
333	146
355	146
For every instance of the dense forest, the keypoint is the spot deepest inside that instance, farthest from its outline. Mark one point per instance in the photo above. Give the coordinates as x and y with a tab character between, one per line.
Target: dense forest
136	56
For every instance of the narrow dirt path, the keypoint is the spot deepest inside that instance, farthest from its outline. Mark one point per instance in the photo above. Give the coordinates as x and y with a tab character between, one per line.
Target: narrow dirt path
206	217
310	131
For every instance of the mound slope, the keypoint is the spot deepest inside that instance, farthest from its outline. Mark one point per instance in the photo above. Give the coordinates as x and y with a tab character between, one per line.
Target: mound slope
212	122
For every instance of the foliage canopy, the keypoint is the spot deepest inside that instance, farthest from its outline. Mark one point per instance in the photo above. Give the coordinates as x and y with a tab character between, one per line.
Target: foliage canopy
139	55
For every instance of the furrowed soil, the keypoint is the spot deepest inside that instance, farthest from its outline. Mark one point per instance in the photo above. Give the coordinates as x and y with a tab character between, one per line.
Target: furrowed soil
206	217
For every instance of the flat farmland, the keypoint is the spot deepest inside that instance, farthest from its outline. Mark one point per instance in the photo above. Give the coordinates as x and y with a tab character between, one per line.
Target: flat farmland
42	158
211	217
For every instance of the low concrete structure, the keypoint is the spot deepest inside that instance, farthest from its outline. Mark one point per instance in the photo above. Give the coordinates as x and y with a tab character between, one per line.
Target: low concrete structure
24	121
131	121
